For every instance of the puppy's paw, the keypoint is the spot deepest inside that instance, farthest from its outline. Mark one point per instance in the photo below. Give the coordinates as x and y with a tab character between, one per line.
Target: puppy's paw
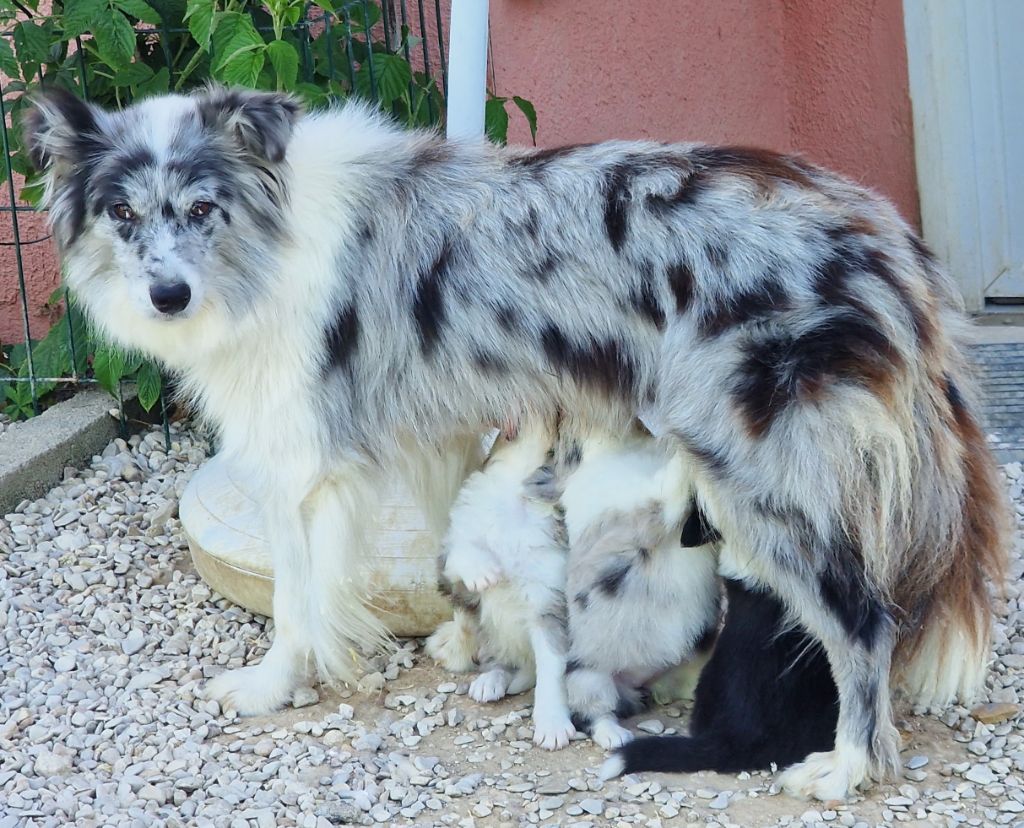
490	686
251	691
609	734
453	645
552	731
477	568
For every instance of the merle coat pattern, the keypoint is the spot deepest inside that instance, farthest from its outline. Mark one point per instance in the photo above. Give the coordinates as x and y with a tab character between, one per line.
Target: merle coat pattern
362	298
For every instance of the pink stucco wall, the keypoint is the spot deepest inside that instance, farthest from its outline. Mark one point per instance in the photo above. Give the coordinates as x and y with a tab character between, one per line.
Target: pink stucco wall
826	78
41	273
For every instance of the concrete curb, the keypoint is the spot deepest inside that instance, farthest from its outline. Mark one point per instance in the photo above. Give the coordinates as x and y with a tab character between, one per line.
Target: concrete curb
33	453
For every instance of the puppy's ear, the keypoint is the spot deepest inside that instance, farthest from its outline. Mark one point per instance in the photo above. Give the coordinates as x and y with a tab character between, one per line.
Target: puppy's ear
61	127
260	123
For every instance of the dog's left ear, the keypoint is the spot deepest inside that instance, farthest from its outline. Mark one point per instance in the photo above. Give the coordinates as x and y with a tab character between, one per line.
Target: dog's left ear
260	123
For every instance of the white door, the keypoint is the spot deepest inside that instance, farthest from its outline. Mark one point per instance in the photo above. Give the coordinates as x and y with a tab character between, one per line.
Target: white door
967	87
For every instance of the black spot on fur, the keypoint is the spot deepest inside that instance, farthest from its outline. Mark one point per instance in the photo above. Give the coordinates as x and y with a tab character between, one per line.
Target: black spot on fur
759	165
342	338
778	369
680	282
507	318
573	455
852	256
367	232
543	270
428	302
612	579
616	207
572	665
717	255
489	363
538	159
713	460
168	210
698	530
748	305
843	588
602	364
532	223
956	400
582	599
925	257
644	298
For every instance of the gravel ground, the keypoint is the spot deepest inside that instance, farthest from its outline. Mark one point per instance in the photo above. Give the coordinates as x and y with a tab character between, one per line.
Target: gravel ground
108	636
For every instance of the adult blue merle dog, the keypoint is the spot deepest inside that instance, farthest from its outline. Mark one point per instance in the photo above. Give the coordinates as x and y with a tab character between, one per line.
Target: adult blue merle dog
344	298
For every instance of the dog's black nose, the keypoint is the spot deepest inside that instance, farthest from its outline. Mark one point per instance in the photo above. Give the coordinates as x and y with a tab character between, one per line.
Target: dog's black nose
170	298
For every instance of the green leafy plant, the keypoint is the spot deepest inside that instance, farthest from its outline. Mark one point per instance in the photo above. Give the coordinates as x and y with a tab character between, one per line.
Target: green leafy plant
114	52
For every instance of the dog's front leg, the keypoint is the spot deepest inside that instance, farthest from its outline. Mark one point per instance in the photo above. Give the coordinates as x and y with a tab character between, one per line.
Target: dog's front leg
265	687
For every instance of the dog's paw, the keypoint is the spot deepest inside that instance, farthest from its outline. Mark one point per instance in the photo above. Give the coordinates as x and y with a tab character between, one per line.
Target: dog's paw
477	567
453	645
251	691
827	776
552	731
489	686
609	734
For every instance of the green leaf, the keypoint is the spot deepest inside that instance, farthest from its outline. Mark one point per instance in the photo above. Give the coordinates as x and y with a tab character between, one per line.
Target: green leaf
140	10
133	74
33	193
79	16
496	120
156	85
8	62
391	73
200	17
233	35
32	42
285	61
531	115
245	64
108	367
115	39
149	384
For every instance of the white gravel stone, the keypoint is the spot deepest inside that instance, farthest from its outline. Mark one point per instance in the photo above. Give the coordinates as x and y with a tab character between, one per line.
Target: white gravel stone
109	636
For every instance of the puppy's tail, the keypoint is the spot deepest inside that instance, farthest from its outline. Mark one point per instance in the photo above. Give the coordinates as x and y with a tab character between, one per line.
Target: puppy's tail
677	754
945	650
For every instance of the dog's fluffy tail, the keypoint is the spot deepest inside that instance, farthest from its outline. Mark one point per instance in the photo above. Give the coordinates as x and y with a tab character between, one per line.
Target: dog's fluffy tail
678	754
945	648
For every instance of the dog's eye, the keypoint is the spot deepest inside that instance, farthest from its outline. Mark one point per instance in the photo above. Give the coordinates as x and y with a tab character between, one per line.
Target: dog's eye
201	209
122	212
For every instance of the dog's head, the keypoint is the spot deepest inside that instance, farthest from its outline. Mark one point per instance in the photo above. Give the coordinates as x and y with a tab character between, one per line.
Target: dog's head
168	205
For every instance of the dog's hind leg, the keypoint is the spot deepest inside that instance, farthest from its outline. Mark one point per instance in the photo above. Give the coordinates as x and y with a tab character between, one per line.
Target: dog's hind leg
838	607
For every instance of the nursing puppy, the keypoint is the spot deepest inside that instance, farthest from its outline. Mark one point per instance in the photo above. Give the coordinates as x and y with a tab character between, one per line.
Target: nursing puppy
640	605
637	606
341	297
504	560
783	708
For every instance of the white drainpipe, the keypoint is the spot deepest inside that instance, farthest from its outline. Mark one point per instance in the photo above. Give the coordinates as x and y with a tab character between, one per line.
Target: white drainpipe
467	68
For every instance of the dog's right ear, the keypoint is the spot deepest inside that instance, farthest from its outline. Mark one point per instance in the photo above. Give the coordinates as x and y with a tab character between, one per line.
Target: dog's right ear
60	127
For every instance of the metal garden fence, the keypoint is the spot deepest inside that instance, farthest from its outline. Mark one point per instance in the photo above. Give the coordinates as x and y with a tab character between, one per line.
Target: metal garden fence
389	51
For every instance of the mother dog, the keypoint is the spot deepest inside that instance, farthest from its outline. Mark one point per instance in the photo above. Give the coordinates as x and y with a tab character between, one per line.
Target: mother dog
341	297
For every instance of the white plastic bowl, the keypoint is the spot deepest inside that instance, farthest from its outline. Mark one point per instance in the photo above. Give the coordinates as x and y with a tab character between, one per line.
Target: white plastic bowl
223	529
